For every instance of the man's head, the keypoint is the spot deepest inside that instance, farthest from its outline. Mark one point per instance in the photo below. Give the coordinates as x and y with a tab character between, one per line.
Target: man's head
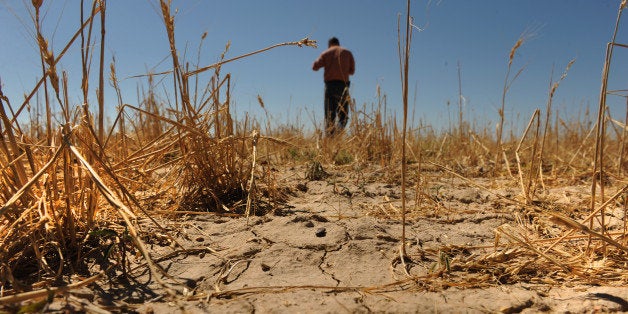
333	42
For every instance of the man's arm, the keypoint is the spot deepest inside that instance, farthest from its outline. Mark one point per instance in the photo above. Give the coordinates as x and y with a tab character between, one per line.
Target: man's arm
319	62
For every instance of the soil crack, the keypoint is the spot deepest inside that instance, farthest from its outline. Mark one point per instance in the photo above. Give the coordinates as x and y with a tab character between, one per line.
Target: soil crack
323	261
335	249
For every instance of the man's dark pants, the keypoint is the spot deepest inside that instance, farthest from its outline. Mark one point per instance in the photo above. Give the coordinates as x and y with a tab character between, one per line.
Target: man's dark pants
336	104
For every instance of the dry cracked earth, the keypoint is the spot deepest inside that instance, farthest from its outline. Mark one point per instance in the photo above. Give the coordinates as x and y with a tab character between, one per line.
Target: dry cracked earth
335	248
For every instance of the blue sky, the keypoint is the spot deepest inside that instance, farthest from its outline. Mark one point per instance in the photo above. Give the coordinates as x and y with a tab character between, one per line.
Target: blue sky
477	34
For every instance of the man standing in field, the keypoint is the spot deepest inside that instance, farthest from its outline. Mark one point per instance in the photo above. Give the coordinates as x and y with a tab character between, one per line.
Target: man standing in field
339	64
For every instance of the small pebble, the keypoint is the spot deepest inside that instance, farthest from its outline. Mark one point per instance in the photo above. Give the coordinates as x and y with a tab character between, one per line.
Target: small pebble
321	232
265	267
309	224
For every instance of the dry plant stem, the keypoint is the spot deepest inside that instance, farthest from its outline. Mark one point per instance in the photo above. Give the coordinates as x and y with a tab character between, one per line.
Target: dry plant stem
591	215
548	112
625	233
124	191
615	125
525	187
122	149
145	156
578	226
548	115
180	81
157	153
16	298
255	136
404	76
442	145
536	251
92	198
190	129
56	60
198	62
303	42
461	129
541	241
68	180
12	149
477	140
507	83
32	181
127	215
598	160
101	76
120	117
214	93
23	216
534	159
106	192
582	145
43	54
86	53
624	139
224	274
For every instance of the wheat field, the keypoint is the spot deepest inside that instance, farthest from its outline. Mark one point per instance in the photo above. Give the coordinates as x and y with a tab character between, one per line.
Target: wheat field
87	202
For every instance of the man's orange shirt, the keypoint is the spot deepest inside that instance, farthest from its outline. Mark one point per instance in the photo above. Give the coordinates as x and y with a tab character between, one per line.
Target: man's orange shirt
338	63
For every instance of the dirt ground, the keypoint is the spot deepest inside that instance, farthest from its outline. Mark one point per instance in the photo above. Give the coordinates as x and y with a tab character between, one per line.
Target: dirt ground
334	248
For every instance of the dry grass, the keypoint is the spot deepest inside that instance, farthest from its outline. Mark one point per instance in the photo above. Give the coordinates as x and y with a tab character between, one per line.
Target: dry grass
72	190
